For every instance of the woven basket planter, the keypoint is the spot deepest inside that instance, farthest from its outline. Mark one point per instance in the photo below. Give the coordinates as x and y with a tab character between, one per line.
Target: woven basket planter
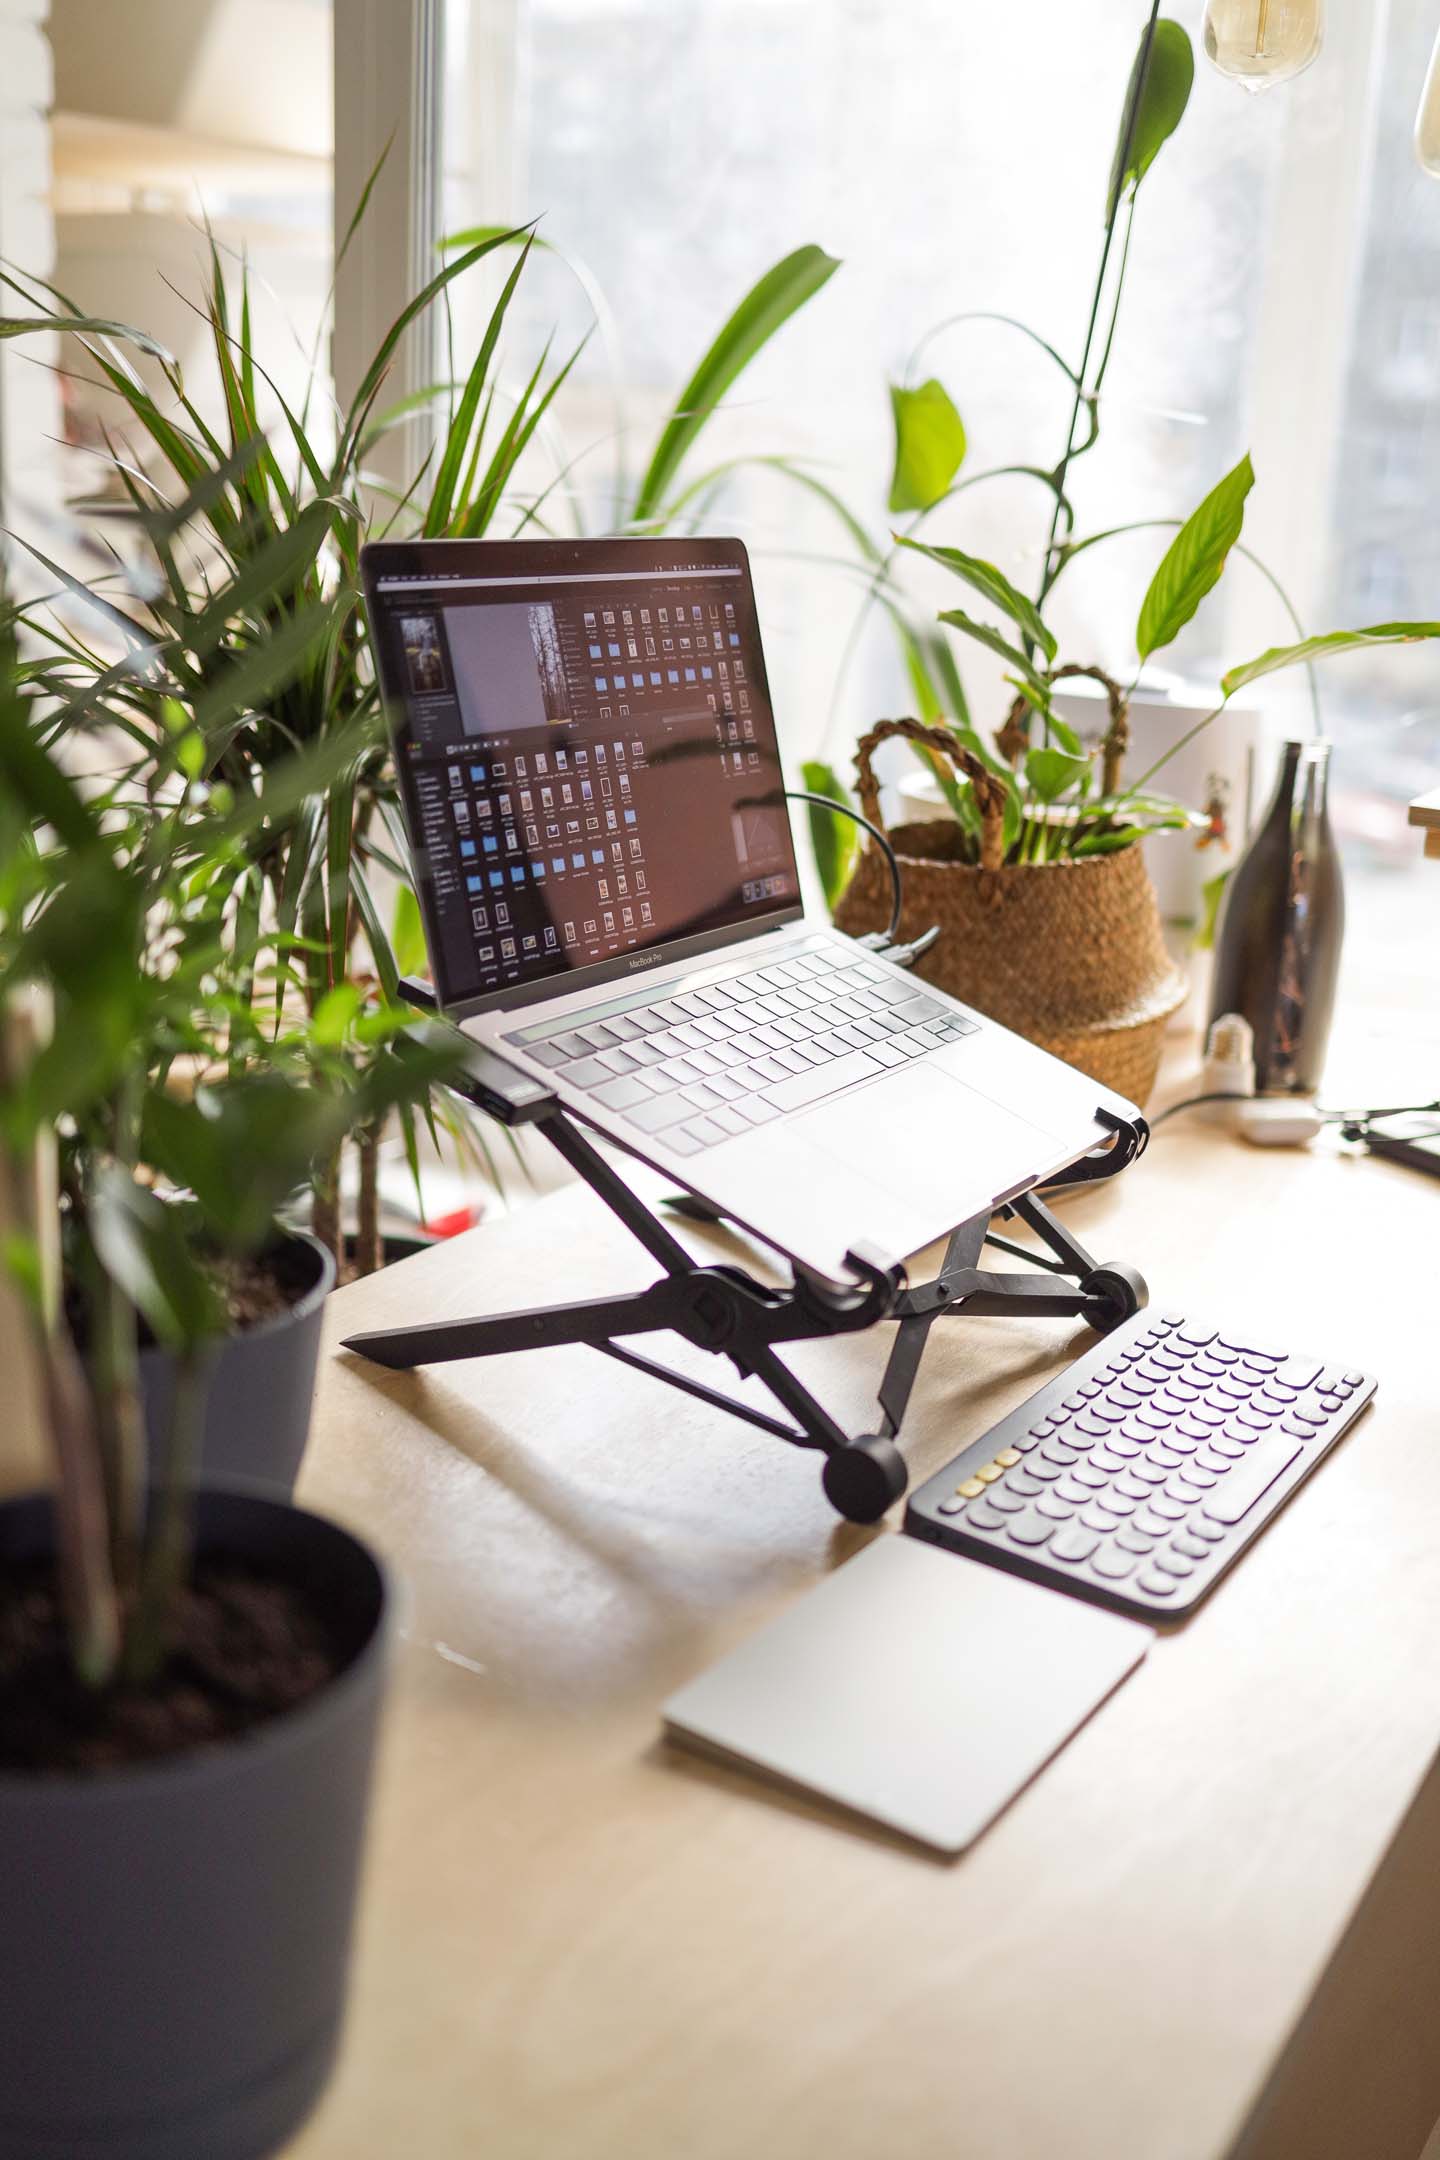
1068	954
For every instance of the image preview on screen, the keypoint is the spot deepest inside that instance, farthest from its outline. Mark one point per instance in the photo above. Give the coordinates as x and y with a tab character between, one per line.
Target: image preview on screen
590	764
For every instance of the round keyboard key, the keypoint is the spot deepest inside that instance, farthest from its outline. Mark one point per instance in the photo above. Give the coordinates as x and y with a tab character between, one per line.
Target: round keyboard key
1175	1563
1105	1461
1069	1489
1211	1459
1179	1488
971	1489
1114	1564
1119	1503
1173	1510
1073	1544
1134	1541
1195	1474
1054	1452
1052	1505
979	1515
1148	1472
1197	1334
1073	1402
1165	1457
1007	1457
1232	1443
1193	1547
1008	1502
1200	1526
1030	1528
1098	1517
990	1473
1087	1477
1037	1467
1154	1584
1153	1524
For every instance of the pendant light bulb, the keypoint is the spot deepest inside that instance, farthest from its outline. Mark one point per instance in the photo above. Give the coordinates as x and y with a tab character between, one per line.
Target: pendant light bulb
1427	119
1258	43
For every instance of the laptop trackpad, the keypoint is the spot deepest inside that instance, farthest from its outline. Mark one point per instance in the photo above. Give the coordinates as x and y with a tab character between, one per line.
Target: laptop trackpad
920	1119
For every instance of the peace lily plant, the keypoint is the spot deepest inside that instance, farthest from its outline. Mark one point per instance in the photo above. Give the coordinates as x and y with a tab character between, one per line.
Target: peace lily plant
1064	799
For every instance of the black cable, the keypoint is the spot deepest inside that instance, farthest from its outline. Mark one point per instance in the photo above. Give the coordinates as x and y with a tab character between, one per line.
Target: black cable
827	802
1193	1102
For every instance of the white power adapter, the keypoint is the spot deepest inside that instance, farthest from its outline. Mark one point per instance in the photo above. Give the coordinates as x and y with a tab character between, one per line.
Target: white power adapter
1279	1120
1229	1071
1229	1067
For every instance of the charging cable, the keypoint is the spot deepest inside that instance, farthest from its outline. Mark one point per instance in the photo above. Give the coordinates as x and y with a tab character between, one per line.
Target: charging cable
882	942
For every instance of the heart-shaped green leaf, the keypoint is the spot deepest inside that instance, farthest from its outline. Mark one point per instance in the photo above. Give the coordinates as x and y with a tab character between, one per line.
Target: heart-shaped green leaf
1048	773
1162	97
1194	560
929	445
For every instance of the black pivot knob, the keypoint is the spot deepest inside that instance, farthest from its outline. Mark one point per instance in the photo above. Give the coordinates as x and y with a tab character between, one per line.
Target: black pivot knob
864	1478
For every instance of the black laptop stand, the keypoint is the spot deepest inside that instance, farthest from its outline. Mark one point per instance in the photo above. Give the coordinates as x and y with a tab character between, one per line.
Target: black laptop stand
725	1310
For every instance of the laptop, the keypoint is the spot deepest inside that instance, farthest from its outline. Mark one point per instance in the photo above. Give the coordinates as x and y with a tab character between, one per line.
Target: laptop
607	879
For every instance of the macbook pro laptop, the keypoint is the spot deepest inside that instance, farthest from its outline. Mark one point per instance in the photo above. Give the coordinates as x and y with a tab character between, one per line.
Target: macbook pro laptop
608	884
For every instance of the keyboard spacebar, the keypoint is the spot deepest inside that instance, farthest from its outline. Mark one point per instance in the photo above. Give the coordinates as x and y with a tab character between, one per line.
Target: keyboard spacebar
1242	1488
821	1080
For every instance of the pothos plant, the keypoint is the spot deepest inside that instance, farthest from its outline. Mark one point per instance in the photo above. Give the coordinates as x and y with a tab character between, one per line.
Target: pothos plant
168	1127
222	603
1064	798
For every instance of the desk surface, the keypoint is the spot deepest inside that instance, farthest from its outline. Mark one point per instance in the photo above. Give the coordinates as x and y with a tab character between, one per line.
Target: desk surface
578	1945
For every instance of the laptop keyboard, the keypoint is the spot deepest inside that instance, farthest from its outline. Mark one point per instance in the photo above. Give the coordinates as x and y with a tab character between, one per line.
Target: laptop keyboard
710	1063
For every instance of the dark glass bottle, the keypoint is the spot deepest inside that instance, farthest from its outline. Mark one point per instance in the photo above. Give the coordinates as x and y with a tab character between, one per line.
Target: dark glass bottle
1277	947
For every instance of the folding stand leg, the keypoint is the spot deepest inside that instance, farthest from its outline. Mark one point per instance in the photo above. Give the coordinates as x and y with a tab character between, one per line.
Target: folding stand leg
723	1310
1104	1295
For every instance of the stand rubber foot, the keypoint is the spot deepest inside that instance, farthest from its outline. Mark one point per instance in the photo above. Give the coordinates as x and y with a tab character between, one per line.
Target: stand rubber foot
862	1480
1113	1293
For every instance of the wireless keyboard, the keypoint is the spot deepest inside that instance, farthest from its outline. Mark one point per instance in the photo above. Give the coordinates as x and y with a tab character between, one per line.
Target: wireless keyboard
1142	1473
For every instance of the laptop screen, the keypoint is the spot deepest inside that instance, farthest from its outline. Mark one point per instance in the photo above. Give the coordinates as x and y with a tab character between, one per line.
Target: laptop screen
587	752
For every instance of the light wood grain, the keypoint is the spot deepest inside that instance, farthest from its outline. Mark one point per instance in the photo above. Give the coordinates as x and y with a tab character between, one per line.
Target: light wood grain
1425	810
577	1943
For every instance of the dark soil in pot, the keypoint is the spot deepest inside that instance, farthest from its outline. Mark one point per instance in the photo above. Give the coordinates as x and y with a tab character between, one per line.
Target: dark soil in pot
177	1913
243	1648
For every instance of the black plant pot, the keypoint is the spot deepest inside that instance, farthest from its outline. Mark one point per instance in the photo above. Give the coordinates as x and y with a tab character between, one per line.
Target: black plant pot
176	1935
257	1413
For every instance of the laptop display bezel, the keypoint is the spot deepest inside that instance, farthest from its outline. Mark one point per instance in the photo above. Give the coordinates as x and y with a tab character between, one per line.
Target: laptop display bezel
380	560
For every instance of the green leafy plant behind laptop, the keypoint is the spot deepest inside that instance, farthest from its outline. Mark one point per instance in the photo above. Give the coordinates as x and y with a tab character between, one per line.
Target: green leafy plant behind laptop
247	531
1064	798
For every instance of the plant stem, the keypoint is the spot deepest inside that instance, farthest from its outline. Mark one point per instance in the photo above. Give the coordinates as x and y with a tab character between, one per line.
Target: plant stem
325	1213
166	1557
1082	396
369	1254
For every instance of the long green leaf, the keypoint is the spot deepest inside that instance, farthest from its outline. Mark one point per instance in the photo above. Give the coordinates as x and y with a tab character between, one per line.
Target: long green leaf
1320	648
992	585
766	307
437	513
929	444
90	325
1162	97
835	840
1011	654
1194	560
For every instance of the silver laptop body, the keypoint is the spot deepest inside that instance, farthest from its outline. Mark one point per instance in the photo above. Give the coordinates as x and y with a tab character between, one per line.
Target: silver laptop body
610	896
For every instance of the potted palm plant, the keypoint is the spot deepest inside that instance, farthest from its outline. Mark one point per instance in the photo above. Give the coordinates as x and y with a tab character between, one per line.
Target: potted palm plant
1036	877
189	1674
281	526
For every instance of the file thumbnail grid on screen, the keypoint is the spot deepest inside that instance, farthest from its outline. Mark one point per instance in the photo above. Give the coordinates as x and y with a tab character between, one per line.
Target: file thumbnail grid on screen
589	761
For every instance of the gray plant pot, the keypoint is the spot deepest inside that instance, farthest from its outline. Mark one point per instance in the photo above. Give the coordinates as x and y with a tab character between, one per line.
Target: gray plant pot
176	1936
257	1413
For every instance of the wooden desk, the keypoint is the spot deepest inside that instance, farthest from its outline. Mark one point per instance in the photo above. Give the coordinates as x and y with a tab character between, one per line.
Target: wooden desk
1211	1927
